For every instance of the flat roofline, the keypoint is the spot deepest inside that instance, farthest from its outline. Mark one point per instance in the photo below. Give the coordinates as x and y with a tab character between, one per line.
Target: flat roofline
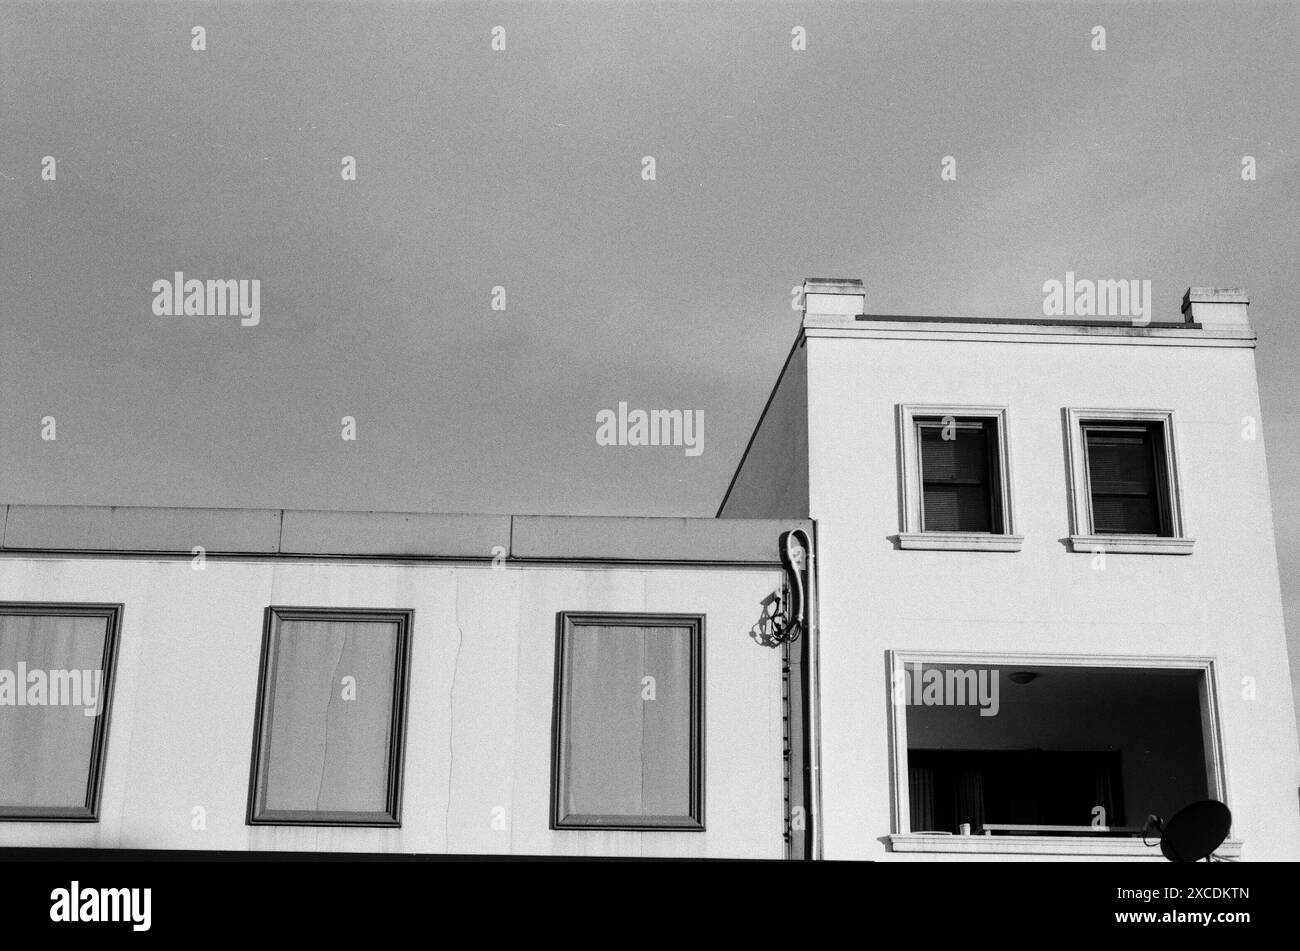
305	533
1030	321
1030	330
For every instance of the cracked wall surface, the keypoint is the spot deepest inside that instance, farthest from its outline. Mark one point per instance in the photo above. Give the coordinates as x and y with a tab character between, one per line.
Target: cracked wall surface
478	743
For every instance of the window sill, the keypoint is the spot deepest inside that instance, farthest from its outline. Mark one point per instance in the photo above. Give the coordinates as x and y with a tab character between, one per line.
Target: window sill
1131	544
1039	845
627	824
959	541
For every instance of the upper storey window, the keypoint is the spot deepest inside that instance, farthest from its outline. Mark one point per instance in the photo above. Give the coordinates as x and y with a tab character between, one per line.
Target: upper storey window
1124	487
956	478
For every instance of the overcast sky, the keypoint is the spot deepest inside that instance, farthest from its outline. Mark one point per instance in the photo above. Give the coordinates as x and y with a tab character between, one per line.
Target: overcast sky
522	169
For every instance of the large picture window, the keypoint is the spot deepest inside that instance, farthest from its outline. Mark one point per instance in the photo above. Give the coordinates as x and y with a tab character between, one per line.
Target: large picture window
56	686
331	717
1039	754
629	728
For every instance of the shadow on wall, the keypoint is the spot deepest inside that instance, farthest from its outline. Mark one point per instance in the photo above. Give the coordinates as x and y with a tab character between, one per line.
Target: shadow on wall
768	630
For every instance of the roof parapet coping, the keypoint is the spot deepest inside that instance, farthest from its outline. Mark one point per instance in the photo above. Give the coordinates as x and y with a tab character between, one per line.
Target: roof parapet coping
843	300
288	533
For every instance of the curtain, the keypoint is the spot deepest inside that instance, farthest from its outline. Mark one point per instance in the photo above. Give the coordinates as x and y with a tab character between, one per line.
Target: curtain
1104	795
970	800
626	742
45	750
920	786
322	750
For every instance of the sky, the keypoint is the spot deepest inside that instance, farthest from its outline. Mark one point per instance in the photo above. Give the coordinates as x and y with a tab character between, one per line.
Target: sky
522	169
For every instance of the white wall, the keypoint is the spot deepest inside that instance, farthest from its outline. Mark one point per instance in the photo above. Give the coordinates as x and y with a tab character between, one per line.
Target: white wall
1222	601
479	716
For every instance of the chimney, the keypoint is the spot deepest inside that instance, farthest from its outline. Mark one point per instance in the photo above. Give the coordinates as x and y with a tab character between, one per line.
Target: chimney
1217	308
833	299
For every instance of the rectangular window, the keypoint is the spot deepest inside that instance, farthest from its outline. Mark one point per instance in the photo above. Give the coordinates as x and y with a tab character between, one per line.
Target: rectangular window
327	747
56	684
628	728
1039	749
958	475
1125	493
955	478
1124	479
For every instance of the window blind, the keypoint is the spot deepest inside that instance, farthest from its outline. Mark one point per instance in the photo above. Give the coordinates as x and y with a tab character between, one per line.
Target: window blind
48	745
1123	481
627	730
957	477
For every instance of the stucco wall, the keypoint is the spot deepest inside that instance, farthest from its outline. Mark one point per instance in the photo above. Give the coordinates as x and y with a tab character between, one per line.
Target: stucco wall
479	717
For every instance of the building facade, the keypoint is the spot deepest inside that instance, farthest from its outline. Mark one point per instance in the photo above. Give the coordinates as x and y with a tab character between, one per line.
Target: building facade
373	682
1098	524
978	589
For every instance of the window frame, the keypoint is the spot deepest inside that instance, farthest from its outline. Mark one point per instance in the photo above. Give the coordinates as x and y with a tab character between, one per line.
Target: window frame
914	536
565	621
257	813
95	768
1083	537
901	837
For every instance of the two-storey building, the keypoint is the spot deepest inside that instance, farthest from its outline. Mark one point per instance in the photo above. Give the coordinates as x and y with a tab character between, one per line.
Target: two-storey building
1049	594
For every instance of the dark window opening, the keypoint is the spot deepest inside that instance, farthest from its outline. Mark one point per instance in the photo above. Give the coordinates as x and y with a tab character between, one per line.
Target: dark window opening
1056	749
960	483
1027	787
1127	479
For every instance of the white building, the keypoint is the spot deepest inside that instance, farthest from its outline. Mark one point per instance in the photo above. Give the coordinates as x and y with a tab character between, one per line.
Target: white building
1043	604
1104	523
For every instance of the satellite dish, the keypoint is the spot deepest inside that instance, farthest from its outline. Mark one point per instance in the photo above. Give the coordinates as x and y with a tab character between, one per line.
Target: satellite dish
1195	831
